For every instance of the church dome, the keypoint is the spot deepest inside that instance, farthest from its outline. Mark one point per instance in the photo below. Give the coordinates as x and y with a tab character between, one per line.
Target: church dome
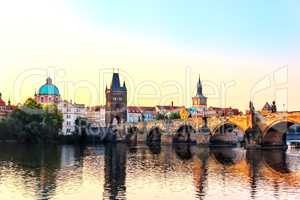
49	88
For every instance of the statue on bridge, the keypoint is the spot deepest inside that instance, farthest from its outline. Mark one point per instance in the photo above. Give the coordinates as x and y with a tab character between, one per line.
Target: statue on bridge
253	134
274	107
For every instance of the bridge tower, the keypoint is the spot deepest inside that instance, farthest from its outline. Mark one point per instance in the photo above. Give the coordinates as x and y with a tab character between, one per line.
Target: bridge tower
116	101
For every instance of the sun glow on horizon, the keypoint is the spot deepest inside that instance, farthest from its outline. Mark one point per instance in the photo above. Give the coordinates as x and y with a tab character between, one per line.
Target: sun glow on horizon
78	43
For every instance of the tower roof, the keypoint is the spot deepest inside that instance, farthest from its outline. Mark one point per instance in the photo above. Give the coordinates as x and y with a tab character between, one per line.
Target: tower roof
116	85
199	89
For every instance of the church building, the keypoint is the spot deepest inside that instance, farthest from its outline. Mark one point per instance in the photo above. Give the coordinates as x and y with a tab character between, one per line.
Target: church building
48	93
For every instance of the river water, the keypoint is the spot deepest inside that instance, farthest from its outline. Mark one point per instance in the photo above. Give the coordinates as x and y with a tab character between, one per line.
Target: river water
69	172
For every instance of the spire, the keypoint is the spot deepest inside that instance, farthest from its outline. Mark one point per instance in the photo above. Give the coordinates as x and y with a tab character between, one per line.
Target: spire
124	86
115	84
49	81
199	88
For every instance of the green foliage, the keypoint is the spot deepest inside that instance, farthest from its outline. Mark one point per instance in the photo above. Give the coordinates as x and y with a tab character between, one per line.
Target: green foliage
174	115
160	116
32	123
31	103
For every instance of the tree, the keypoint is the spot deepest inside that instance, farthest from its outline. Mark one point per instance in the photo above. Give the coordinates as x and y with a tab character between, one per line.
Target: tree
174	115
160	116
32	123
31	103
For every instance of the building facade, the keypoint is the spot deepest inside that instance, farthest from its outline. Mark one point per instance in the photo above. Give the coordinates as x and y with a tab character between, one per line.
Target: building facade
48	93
116	101
5	109
70	111
96	116
223	112
140	113
167	109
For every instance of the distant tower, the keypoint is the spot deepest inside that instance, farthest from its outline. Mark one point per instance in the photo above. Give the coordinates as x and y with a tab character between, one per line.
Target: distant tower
116	101
199	101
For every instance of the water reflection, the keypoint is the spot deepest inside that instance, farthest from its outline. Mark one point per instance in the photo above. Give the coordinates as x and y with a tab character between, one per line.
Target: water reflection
147	172
115	171
183	151
228	156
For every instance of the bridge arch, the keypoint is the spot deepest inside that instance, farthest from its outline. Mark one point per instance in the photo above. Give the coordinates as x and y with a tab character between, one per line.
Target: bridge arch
226	125
183	133
227	133
131	136
275	133
154	135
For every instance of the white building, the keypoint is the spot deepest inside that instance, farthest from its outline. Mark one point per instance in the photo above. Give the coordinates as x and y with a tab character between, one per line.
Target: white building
134	114
96	116
71	111
140	113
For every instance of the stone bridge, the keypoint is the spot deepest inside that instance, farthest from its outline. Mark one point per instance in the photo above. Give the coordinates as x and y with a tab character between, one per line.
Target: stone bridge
271	129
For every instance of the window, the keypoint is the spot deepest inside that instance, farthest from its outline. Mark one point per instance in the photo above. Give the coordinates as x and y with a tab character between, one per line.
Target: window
68	116
68	130
42	99
68	123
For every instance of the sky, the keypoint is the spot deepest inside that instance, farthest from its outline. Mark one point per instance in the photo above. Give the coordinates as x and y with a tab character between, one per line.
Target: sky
243	50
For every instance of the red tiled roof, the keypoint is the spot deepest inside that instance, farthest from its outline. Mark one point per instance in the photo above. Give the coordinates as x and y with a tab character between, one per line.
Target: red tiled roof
140	109
225	110
169	107
2	103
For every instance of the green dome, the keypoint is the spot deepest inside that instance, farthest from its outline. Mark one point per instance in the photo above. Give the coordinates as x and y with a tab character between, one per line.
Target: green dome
48	89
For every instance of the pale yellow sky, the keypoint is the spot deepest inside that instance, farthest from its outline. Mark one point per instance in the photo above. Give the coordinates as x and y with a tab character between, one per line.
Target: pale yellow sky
57	41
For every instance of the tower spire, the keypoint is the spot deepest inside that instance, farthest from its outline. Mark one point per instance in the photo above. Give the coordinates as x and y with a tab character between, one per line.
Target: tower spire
199	87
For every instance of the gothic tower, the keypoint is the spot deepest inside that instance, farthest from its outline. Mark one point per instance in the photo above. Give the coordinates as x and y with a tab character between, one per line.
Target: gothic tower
116	101
199	101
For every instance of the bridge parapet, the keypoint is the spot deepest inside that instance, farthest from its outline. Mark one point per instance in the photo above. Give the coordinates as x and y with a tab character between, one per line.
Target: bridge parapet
266	120
241	121
271	119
